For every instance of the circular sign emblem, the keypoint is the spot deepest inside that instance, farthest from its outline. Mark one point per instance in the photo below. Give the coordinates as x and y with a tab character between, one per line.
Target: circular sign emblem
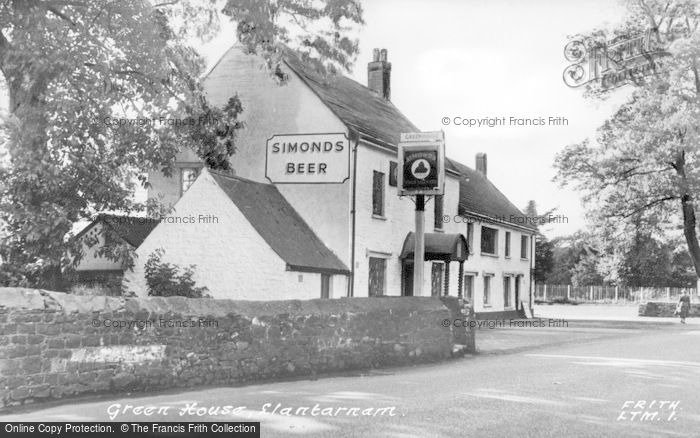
420	168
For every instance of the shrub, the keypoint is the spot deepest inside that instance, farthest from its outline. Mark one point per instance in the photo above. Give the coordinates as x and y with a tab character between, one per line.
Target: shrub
168	280
564	300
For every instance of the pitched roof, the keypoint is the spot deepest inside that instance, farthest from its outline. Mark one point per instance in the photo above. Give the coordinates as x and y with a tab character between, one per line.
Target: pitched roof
356	106
132	229
362	109
279	224
372	116
479	197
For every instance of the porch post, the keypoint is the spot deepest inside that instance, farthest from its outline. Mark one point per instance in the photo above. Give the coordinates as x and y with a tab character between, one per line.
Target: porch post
460	280
447	277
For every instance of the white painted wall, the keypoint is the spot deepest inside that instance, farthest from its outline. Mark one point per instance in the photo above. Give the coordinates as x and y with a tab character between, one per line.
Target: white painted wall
292	109
385	236
231	258
481	264
271	109
89	261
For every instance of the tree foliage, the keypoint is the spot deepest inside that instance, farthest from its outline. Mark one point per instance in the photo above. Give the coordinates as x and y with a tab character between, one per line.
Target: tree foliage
544	257
168	280
642	169
642	260
73	69
575	260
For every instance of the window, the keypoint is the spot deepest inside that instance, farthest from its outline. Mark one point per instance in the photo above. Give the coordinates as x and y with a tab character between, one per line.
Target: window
393	172
111	238
438	212
377	275
325	286
187	176
523	247
506	291
507	244
489	240
470	237
487	290
436	279
378	194
468	287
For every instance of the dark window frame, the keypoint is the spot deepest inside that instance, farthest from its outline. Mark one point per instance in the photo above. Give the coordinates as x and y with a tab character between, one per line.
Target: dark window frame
468	292
393	173
381	291
487	290
506	291
378	193
494	244
470	237
507	244
437	285
438	210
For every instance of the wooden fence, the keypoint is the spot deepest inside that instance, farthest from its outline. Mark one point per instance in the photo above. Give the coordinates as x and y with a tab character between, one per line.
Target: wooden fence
611	294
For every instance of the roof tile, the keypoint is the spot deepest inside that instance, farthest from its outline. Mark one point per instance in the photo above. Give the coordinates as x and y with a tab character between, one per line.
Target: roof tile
279	224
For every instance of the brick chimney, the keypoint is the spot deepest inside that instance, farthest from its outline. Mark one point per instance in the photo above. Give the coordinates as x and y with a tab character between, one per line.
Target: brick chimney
481	163
379	74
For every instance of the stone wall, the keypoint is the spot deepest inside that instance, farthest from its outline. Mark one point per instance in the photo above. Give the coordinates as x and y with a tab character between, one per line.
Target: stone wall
55	345
666	309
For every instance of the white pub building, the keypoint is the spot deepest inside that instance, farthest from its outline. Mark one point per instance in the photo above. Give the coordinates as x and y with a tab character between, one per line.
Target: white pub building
313	210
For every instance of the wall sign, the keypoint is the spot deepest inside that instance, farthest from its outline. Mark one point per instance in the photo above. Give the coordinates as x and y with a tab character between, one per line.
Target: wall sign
421	164
308	159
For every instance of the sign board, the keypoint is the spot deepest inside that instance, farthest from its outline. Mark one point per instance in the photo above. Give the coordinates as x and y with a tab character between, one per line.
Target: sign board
421	164
408	137
308	159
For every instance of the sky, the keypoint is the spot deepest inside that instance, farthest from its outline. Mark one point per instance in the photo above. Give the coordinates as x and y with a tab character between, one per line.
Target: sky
478	59
496	58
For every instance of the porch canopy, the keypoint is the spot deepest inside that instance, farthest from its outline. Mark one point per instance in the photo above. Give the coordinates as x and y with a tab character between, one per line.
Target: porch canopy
438	246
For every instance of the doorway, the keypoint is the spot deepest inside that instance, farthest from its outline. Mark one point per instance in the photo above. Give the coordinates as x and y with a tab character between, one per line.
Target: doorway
407	278
325	286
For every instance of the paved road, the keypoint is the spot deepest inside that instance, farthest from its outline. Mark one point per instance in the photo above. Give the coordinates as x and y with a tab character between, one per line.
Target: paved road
588	382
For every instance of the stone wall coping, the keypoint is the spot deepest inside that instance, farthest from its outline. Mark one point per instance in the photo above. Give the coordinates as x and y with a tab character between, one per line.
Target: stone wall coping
39	299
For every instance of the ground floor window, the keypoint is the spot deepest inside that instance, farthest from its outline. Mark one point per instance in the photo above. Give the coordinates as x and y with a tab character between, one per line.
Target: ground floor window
487	290
506	292
436	278
377	276
468	287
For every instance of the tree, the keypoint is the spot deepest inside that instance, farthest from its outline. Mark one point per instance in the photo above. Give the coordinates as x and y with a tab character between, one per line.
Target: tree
75	69
644	167
544	257
576	260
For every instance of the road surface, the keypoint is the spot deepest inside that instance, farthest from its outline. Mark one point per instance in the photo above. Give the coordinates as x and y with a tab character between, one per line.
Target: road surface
589	381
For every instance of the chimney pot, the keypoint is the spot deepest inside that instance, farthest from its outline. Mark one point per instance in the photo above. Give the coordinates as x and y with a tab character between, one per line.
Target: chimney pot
481	163
379	74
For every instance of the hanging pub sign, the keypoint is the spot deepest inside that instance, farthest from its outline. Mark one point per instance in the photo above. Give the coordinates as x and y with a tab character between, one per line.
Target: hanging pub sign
421	163
308	159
